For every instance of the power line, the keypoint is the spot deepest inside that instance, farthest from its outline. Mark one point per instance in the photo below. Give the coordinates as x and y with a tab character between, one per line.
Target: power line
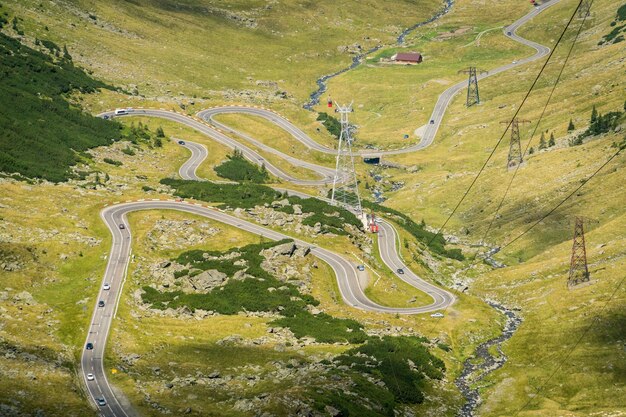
569	353
564	200
536	126
509	125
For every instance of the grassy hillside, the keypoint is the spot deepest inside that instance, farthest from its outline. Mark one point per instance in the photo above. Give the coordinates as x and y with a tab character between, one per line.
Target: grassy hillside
555	352
567	357
208	47
37	118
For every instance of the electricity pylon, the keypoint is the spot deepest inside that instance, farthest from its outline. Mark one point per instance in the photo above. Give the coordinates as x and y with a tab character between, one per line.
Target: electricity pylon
584	8
515	148
345	186
578	270
472	85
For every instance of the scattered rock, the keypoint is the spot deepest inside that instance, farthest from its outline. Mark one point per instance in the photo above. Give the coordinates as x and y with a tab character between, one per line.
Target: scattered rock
25	298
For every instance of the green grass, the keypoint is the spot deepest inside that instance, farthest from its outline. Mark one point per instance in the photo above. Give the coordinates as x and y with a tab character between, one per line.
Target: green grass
161	45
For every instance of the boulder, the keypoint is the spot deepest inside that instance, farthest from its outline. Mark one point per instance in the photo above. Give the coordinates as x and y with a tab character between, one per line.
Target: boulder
280	203
301	252
24	297
207	280
286	249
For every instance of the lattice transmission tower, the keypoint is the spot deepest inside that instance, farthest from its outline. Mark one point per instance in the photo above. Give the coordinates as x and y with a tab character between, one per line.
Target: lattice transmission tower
473	97
345	186
578	271
515	148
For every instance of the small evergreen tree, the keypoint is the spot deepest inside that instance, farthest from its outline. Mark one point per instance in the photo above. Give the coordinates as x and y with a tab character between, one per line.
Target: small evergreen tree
551	142
594	114
531	151
542	141
158	142
571	126
159	132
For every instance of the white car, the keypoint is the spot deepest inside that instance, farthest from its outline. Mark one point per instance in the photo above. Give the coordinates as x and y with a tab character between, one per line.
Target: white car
90	377
437	315
106	286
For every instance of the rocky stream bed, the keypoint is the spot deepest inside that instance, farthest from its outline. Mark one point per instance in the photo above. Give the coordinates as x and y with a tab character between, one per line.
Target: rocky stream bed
475	372
321	82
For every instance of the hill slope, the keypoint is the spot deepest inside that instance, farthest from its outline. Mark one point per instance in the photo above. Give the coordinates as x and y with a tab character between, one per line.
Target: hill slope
37	118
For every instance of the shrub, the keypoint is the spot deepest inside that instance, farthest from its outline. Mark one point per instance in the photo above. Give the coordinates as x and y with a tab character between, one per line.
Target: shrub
330	123
388	359
237	168
112	162
33	92
248	195
244	195
322	327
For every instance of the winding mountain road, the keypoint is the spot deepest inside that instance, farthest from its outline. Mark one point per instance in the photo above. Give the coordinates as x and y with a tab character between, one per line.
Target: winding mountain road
429	130
345	271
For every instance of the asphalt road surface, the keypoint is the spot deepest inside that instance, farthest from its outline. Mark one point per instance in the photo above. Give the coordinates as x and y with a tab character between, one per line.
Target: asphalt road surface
326	174
345	271
430	130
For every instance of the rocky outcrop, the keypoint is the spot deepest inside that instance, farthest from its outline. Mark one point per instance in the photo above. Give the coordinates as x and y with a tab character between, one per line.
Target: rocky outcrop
204	281
281	261
177	234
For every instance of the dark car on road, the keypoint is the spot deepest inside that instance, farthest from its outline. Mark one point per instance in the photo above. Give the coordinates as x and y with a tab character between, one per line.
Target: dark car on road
400	271
89	346
122	226
100	303
432	121
181	142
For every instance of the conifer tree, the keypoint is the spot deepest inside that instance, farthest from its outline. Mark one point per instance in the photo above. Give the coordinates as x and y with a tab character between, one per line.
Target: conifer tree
542	141
551	142
571	126
594	114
